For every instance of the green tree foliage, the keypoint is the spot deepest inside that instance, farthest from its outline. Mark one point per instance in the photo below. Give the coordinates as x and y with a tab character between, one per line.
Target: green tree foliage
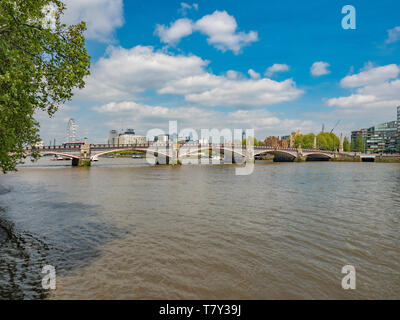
322	143
360	144
346	145
308	141
41	62
298	140
255	141
327	141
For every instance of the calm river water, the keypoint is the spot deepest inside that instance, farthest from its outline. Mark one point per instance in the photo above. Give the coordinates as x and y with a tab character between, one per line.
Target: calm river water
125	230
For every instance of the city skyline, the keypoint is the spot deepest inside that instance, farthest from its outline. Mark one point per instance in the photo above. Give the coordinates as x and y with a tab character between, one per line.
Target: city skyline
217	65
351	138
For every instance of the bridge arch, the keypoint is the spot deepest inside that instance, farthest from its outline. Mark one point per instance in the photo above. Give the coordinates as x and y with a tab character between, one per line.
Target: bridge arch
44	152
318	156
197	150
150	150
285	153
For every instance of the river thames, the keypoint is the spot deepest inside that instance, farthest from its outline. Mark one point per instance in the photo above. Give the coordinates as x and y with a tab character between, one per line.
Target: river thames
126	230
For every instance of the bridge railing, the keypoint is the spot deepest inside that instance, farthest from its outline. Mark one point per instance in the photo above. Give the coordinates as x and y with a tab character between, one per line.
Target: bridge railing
53	148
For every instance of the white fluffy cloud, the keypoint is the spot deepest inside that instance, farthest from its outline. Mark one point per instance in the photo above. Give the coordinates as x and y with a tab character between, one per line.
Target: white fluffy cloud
220	27
148	117
126	73
377	88
319	68
277	67
371	76
185	7
102	17
175	32
140	111
232	74
393	35
254	75
245	93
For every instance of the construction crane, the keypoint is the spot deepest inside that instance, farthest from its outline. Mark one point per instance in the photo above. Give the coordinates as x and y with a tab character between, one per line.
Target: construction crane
335	125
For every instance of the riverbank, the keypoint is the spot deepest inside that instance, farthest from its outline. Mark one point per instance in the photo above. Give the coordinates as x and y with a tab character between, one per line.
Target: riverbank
371	158
387	159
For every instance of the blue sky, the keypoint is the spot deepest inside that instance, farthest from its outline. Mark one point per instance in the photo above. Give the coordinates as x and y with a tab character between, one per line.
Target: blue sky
205	64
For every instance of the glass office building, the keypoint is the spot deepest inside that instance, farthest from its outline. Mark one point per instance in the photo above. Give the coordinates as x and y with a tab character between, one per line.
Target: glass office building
382	138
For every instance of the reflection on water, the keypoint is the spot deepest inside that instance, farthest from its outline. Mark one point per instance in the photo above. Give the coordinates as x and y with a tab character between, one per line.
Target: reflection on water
121	230
40	225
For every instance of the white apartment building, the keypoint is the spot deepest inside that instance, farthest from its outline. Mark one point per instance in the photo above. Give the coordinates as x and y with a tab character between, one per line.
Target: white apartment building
127	137
163	138
131	139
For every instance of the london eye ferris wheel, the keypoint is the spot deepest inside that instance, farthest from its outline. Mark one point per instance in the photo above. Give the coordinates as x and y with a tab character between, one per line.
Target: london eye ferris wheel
72	129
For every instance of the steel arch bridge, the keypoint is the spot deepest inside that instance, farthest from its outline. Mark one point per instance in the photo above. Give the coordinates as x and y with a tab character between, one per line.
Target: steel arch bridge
176	151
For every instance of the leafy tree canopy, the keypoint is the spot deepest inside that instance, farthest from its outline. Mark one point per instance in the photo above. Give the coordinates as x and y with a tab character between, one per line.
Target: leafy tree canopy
325	141
346	145
41	62
306	141
255	141
360	144
328	141
298	140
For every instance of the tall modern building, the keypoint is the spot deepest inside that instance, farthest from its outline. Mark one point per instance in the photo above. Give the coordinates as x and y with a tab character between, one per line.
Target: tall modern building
382	138
113	137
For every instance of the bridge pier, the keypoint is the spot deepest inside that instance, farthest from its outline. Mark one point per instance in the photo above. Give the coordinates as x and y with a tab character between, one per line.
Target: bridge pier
84	163
75	162
171	155
173	152
84	160
229	157
250	158
161	159
300	157
233	158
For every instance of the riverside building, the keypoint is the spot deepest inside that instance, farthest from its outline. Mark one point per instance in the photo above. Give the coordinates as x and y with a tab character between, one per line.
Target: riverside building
382	138
127	137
